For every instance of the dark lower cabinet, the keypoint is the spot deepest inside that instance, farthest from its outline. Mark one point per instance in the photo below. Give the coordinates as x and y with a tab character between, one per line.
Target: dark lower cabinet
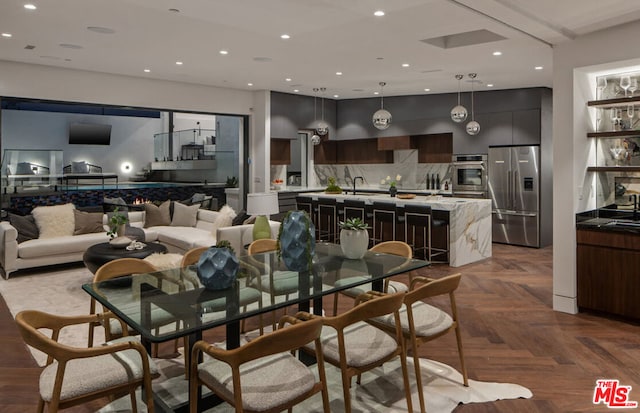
608	269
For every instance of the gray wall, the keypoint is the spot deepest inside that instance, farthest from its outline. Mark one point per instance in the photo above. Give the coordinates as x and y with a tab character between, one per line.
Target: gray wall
291	113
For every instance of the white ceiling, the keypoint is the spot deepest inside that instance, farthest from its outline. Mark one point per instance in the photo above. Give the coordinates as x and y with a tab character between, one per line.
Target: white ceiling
327	36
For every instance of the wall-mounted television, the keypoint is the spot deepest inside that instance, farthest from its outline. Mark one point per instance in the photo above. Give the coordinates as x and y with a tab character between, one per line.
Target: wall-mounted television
89	134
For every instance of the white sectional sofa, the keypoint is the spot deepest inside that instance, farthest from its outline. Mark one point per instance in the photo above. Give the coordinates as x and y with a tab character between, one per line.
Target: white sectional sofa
70	248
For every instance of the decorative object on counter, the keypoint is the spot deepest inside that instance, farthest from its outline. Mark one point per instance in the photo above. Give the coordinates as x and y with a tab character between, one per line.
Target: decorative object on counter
406	196
473	127
459	113
296	241
277	184
218	266
392	184
332	187
117	224
120	242
232	182
382	117
354	238
446	185
262	204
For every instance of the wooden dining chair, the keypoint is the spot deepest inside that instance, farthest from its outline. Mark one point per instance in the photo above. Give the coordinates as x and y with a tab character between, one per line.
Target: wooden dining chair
422	322
354	346
263	375
399	248
75	375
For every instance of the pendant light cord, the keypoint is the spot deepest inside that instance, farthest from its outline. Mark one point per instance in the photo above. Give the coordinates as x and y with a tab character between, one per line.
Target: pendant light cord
382	94
473	80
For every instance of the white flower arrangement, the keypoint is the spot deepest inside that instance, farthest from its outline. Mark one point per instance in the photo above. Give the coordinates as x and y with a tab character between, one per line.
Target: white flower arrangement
389	181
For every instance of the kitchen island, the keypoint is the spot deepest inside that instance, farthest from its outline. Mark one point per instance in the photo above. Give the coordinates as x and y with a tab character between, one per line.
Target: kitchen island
469	221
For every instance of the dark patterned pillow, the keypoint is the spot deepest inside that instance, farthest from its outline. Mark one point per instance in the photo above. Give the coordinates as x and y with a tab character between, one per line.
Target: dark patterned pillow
25	225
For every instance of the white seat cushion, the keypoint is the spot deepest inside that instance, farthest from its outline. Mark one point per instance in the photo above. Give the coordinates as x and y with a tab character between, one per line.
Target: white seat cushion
428	319
184	238
394	286
364	344
266	383
35	248
86	375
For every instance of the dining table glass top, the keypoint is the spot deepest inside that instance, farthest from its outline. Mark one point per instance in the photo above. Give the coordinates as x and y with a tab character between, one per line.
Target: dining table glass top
173	303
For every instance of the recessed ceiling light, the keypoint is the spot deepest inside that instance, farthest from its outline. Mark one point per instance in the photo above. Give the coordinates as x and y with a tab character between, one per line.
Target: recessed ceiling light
288	79
296	90
339	73
405	65
538	68
497	53
147	70
489	84
285	36
378	13
249	84
174	10
336	96
224	52
30	6
427	90
376	93
6	34
179	63
101	30
262	59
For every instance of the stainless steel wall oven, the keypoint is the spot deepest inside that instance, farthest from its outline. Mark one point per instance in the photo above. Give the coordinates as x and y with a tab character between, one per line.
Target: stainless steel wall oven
469	176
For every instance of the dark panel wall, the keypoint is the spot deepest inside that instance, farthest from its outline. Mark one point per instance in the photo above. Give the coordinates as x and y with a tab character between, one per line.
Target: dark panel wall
506	117
290	113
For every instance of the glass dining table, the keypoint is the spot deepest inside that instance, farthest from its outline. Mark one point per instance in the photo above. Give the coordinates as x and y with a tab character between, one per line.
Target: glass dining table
172	304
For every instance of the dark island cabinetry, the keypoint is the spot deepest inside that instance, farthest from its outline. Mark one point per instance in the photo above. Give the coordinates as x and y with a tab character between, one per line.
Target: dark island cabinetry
608	268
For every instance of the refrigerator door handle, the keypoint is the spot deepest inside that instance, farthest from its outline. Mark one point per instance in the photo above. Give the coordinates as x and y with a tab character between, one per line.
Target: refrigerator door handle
515	191
509	189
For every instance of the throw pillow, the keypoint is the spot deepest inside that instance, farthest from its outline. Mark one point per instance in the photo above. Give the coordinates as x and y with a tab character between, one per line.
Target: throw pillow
184	215
240	218
87	222
225	217
54	221
79	167
25	225
157	215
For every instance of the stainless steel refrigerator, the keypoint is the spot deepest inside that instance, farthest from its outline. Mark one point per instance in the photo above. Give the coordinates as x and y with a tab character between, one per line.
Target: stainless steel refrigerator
514	188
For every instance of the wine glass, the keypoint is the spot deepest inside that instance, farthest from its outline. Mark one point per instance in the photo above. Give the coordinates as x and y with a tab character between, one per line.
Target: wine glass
630	113
633	86
625	83
601	84
614	118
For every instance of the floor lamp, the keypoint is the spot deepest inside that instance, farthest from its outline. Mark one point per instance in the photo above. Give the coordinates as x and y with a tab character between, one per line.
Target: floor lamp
262	204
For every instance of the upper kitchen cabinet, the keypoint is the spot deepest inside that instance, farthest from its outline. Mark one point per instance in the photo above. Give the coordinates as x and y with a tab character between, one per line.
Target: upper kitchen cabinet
526	127
280	151
437	148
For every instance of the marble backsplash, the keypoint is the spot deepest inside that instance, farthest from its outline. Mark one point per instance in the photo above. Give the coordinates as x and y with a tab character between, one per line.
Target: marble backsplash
413	175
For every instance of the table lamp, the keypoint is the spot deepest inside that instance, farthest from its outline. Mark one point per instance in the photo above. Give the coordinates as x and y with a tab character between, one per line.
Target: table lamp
262	204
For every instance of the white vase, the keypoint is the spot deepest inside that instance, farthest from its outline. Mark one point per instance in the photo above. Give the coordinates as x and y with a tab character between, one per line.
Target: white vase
120	231
354	244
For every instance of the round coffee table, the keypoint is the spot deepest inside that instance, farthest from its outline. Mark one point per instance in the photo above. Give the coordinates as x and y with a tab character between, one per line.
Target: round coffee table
99	254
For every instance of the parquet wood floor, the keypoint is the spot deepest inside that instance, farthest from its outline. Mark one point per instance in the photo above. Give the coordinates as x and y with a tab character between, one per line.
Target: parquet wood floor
510	334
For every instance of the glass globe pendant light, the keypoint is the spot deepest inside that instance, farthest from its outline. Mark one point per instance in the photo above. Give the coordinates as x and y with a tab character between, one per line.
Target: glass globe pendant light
315	139
322	127
473	127
382	117
459	112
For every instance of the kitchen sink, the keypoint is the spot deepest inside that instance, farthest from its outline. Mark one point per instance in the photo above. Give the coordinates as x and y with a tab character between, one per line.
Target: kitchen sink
624	224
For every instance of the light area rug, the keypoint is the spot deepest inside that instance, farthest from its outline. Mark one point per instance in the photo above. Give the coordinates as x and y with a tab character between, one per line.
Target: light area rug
381	390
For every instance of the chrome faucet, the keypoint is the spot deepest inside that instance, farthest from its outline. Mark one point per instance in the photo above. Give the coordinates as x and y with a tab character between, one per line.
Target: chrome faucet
354	183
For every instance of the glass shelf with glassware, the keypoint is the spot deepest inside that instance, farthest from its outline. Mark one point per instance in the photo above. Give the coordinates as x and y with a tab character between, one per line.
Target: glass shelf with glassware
616	105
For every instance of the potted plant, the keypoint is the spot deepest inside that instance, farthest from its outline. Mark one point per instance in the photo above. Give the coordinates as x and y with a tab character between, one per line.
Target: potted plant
354	238
296	241
218	266
117	224
332	188
392	184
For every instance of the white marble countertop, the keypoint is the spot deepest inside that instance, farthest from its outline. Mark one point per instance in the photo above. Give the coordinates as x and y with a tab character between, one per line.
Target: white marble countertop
359	190
469	221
